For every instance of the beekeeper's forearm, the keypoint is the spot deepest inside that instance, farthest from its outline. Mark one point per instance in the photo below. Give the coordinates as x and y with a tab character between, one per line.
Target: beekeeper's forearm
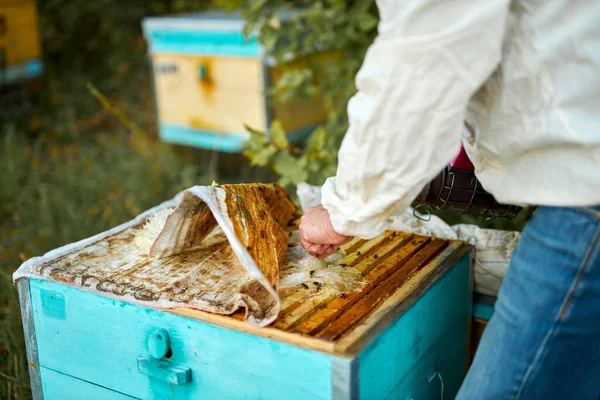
406	119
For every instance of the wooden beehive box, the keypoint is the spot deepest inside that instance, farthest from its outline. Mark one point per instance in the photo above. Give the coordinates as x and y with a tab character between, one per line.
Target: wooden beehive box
96	334
483	309
210	81
20	49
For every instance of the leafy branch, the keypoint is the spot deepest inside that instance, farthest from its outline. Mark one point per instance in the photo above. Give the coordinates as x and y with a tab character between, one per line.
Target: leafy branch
320	49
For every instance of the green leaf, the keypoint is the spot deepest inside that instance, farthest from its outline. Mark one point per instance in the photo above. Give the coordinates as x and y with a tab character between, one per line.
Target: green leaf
256	5
261	156
258	150
366	21
289	169
363	5
252	130
278	137
227	5
316	141
248	29
256	137
268	38
291	79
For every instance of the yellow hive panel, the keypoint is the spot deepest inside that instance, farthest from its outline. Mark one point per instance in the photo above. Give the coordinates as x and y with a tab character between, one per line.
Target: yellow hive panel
230	96
19	33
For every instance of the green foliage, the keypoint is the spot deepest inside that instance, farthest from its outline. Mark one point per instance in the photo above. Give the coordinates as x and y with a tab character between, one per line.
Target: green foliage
328	40
278	137
290	163
78	33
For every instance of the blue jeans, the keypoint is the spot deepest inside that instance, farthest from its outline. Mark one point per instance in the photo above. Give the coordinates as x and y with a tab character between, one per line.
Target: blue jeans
543	341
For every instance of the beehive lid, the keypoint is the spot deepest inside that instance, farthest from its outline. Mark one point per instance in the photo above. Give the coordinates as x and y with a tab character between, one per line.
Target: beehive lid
204	21
212	32
394	268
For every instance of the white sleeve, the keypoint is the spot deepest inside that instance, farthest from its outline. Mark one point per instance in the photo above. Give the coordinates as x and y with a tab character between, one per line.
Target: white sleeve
405	121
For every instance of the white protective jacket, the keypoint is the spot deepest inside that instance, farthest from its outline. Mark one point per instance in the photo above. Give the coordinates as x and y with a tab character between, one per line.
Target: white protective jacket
523	74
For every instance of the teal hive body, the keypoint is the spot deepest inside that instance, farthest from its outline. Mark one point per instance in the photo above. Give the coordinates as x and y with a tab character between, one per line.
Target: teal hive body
483	307
92	347
87	344
210	81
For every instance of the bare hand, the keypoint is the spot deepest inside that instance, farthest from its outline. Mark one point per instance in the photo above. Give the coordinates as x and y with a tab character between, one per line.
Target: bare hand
317	235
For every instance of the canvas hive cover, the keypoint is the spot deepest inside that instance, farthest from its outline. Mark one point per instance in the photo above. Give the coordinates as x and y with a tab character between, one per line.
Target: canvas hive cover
220	249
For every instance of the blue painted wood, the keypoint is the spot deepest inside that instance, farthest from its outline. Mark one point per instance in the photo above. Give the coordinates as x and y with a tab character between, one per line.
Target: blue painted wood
159	343
53	304
231	143
228	143
395	351
100	340
34	68
442	364
209	43
162	46
22	72
164	370
57	386
483	311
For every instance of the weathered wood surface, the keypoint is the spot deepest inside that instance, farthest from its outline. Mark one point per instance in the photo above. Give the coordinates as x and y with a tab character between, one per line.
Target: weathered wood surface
199	264
376	268
445	356
30	339
405	296
372	299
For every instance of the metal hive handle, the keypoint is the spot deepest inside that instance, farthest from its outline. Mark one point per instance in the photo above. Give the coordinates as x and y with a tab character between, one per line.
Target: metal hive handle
432	376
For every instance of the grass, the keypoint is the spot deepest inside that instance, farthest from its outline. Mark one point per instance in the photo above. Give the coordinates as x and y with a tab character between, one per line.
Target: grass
55	192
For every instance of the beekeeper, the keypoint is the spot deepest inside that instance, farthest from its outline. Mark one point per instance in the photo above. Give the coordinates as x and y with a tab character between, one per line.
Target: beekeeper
524	77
